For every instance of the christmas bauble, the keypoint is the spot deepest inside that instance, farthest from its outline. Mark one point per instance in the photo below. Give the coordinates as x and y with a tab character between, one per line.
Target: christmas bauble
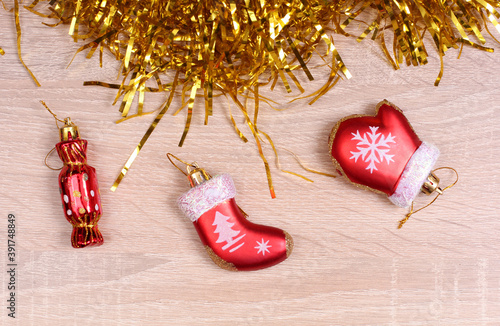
231	240
81	199
384	154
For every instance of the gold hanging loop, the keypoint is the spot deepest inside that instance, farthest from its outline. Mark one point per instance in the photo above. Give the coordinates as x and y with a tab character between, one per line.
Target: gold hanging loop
439	192
170	155
47	156
448	168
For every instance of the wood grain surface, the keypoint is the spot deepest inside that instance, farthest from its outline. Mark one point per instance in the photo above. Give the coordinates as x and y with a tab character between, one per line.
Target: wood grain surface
350	266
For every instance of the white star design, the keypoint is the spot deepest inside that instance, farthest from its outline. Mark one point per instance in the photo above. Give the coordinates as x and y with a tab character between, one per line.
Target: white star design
262	246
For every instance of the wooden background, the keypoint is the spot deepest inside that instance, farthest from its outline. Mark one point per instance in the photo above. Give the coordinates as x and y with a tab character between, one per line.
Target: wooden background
350	266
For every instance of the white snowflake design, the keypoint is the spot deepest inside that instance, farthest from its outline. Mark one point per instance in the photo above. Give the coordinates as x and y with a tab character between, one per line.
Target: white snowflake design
263	247
371	148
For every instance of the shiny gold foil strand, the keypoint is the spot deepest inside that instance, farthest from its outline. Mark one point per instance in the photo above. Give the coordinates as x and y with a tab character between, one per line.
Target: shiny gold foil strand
295	51
296	157
194	88
209	83
273	48
398	33
333	78
235	126
277	25
287	67
433	27
393	62
441	54
278	164
492	13
255	133
117	86
127	91
416	54
256	104
458	25
351	15
136	84
91	44
277	62
462	30
373	26
468	19
73	28
32	5
18	31
387	8
487	29
336	59
148	133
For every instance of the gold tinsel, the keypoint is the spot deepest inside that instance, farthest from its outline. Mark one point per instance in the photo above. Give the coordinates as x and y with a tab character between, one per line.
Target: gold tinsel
234	47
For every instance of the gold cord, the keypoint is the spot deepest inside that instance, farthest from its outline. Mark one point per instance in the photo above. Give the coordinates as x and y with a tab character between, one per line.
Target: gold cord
53	114
52	150
45	161
178	159
403	221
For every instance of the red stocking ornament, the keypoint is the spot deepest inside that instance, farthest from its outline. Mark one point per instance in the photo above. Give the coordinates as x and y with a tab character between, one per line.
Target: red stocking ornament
233	242
383	153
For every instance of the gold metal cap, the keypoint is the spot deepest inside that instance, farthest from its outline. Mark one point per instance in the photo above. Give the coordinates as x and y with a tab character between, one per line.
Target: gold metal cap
431	185
69	130
196	175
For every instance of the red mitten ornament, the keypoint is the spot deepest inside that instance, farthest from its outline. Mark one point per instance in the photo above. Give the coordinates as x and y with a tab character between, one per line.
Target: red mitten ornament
382	153
233	242
80	194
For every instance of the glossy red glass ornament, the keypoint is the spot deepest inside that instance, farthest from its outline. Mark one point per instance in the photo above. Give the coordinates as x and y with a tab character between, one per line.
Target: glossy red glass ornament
81	199
231	240
384	154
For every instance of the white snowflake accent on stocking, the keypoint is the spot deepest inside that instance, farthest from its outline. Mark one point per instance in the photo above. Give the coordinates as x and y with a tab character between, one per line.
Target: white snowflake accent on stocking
262	246
372	148
226	233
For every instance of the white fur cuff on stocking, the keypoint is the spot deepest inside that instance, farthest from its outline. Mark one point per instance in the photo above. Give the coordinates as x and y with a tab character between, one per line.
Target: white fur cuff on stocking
207	195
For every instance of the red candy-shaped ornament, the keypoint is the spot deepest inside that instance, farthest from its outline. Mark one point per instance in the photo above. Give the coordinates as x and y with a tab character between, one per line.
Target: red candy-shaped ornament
233	242
80	194
383	153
